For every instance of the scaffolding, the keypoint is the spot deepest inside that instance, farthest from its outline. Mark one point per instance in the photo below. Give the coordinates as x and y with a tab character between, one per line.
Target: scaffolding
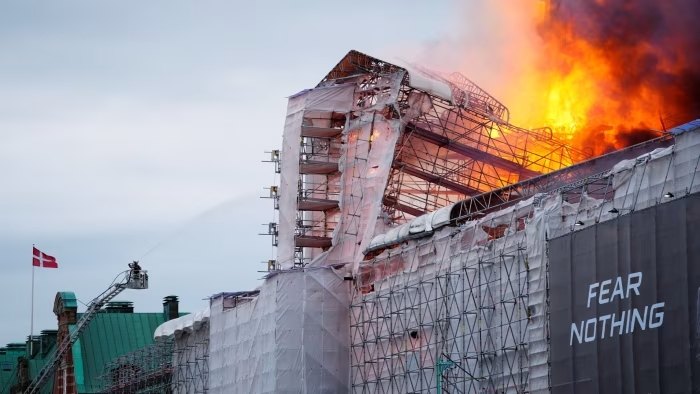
464	308
191	362
174	366
451	147
147	370
440	317
410	138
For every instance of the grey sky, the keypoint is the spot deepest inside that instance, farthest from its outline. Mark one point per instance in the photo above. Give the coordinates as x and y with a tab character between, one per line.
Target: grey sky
122	123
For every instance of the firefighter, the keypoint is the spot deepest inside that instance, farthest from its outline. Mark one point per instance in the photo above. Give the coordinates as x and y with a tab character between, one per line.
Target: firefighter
135	269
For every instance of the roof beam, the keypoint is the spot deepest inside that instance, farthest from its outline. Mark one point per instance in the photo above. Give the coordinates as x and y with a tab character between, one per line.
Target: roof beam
468	151
436	179
393	203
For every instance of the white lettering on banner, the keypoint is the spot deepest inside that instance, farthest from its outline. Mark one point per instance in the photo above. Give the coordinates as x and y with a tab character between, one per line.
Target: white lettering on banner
620	324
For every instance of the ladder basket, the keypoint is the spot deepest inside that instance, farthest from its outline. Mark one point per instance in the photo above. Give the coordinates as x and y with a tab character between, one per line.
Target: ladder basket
137	280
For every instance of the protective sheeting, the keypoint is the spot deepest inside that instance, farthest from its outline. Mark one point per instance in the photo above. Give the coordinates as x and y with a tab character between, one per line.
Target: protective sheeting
659	175
332	98
429	85
425	83
421	226
465	310
292	338
455	303
685	127
624	303
289	176
186	342
363	153
469	301
364	165
187	323
363	160
441	217
367	151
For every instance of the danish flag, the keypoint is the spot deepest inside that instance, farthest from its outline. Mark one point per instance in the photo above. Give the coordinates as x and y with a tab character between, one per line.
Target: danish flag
42	259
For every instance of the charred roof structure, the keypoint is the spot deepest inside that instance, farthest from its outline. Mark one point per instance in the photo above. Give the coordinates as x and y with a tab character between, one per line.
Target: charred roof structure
456	140
411	138
416	185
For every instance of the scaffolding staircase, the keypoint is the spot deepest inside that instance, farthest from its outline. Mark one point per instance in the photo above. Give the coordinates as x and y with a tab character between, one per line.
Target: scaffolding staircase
318	192
132	279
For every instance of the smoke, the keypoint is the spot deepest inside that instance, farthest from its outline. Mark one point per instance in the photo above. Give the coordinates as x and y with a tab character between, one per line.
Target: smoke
629	137
492	42
601	73
650	46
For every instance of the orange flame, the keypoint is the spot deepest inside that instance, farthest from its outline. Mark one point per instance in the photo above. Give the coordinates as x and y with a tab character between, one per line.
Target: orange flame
582	102
603	74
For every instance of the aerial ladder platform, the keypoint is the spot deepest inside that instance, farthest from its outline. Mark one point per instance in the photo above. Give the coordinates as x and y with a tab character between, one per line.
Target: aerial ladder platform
134	278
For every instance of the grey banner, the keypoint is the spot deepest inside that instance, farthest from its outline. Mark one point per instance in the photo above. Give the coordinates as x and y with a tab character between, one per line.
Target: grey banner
624	298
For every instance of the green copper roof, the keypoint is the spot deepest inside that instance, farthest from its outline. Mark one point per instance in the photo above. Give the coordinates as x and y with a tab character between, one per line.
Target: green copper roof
69	299
78	366
9	359
35	366
8	365
109	336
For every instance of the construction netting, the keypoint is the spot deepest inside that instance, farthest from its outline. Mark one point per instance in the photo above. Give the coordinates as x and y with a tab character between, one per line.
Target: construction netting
291	337
466	309
374	158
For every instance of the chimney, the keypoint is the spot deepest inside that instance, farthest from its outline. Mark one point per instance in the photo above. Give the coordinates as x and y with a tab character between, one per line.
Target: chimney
119	307
34	349
48	339
170	308
20	349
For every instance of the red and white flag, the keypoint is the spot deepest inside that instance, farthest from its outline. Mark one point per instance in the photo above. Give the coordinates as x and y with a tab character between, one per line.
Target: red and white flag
42	259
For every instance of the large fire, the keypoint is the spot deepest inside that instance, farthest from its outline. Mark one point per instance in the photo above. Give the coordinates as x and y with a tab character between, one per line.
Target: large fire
614	72
603	73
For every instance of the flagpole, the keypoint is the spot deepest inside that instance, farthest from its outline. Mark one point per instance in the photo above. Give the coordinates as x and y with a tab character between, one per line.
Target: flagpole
31	324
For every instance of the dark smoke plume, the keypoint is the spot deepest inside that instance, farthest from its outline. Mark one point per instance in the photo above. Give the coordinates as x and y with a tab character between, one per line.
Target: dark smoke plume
652	45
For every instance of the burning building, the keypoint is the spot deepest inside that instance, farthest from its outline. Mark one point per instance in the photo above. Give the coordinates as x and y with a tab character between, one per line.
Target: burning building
472	245
426	244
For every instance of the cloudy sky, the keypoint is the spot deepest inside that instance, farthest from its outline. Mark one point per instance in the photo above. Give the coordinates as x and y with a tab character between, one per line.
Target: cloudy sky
136	130
128	126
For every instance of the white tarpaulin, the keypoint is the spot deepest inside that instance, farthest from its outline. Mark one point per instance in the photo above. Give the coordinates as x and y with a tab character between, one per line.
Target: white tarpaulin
289	176
365	170
183	324
333	98
292	338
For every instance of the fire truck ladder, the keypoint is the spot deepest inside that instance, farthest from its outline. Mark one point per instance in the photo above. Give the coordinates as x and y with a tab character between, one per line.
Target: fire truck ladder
132	279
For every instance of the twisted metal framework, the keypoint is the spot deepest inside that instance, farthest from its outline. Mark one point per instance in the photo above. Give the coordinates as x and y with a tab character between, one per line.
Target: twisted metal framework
581	173
456	147
460	147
